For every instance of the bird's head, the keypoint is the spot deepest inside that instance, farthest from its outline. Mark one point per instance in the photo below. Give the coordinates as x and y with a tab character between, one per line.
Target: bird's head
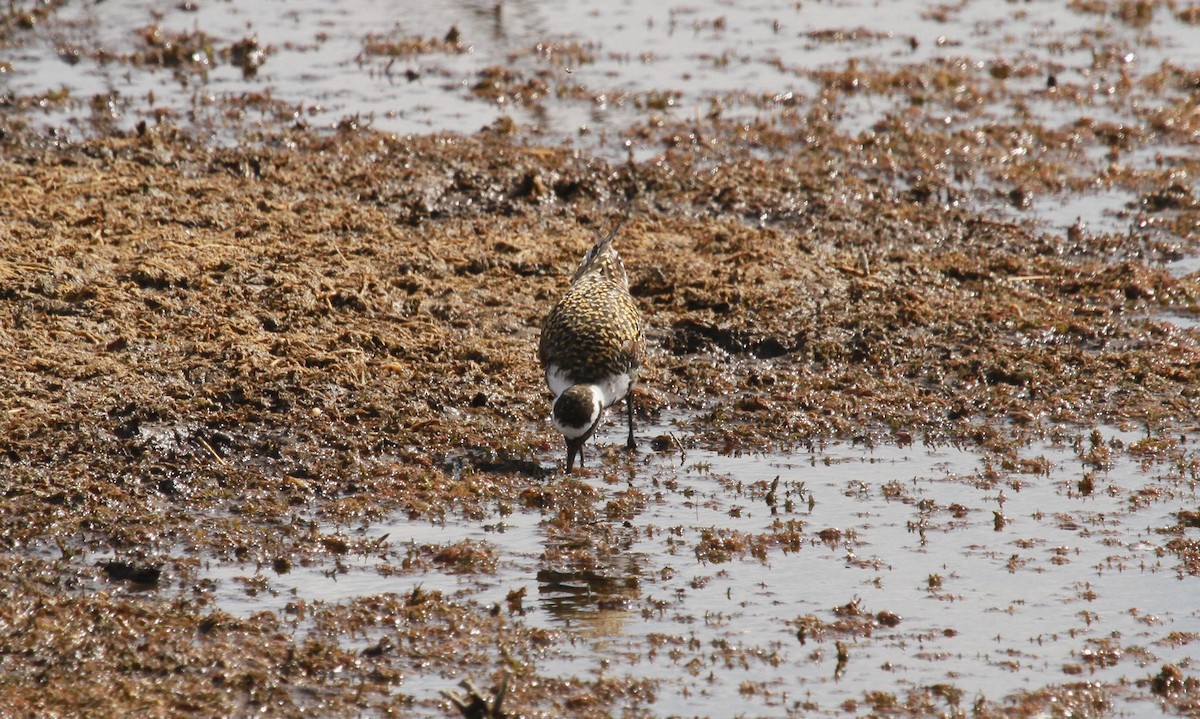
576	414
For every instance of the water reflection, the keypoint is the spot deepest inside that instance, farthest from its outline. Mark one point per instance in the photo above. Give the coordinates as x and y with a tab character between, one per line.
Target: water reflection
596	604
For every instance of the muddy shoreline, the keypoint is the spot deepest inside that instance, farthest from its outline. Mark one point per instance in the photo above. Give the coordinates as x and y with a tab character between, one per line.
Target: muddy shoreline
201	343
249	354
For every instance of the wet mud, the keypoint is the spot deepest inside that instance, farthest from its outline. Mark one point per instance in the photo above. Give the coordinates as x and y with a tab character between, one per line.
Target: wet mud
227	362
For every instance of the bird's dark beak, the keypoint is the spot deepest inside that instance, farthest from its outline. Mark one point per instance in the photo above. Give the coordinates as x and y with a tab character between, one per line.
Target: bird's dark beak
575	447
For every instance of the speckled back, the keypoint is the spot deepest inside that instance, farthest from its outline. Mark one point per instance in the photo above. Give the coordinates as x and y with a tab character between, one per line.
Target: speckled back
595	330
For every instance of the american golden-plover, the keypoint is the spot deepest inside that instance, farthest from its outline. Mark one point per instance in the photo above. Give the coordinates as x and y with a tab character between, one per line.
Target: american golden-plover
592	347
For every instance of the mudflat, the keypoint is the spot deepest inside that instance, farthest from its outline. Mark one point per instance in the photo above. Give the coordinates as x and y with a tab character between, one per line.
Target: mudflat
240	353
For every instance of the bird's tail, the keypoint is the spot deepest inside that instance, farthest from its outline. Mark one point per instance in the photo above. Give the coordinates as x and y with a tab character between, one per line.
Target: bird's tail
603	258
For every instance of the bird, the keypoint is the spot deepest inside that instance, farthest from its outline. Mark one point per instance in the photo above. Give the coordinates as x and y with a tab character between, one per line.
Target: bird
591	347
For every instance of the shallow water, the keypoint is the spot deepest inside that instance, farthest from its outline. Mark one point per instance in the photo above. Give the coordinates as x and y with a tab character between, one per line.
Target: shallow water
1066	588
588	74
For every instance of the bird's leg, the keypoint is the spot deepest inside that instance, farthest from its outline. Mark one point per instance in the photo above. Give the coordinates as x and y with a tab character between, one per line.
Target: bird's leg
630	444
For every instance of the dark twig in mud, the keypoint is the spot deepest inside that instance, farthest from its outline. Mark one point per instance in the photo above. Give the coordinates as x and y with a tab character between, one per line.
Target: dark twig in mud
477	705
